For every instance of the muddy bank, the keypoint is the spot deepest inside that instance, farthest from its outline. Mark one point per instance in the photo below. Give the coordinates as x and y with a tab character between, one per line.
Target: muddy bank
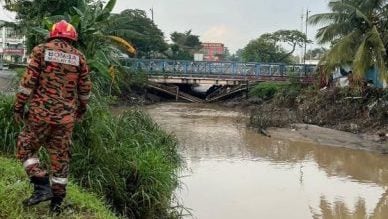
364	115
330	137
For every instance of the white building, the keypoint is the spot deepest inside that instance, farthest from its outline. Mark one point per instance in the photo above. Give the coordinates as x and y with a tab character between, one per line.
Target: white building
12	45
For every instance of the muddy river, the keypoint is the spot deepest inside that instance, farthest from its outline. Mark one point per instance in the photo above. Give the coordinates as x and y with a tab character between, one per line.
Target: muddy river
233	172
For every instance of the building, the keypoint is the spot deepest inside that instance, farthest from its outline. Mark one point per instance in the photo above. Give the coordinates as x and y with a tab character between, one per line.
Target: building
12	45
213	51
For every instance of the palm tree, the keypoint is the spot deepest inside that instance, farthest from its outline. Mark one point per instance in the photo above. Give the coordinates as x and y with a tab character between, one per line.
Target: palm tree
357	31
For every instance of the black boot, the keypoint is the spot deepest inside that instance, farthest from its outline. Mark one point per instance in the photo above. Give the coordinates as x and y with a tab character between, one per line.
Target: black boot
55	205
42	191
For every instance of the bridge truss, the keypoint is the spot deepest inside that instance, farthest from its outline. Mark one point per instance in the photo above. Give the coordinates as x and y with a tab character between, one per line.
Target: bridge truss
222	70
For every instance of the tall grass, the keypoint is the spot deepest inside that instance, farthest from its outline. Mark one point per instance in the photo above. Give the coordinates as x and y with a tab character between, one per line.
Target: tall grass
9	130
127	159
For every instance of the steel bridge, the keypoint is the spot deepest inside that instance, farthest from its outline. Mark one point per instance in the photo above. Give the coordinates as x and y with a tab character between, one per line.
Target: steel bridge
218	73
227	78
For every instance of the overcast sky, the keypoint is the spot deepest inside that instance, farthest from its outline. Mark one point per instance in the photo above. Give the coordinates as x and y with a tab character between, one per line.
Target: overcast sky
232	22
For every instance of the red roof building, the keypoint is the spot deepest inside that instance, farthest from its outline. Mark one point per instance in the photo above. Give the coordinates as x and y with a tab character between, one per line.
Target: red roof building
213	51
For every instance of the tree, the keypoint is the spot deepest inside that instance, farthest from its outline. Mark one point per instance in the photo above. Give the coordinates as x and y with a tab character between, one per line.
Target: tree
357	30
237	56
184	45
269	47
262	50
134	26
292	38
316	53
31	13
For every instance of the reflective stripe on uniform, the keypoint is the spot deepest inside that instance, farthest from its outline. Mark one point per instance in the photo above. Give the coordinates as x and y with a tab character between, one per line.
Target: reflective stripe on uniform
58	180
30	162
24	90
84	97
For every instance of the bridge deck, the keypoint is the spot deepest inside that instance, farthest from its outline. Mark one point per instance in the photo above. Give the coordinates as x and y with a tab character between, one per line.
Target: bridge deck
228	73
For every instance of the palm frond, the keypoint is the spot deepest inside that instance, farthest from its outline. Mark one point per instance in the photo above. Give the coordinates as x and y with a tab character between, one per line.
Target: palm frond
324	18
123	43
362	60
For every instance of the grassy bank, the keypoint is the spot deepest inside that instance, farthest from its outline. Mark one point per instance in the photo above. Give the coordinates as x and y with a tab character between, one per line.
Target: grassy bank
14	188
339	108
126	159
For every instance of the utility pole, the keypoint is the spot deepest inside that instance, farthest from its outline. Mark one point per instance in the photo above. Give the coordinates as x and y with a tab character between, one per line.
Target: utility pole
152	13
301	30
305	43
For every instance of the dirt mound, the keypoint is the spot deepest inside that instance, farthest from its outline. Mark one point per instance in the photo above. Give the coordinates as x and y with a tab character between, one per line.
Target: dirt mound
340	109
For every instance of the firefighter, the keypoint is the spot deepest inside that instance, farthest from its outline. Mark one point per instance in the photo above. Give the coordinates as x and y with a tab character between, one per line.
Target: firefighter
56	85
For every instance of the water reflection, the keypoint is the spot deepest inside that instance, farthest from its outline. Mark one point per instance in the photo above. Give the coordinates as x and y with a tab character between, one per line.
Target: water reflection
236	173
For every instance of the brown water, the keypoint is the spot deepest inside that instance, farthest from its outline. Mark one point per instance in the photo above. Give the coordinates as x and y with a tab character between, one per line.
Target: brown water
233	172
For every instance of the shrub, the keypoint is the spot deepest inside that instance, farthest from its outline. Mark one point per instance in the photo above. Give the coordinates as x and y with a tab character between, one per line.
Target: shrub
265	90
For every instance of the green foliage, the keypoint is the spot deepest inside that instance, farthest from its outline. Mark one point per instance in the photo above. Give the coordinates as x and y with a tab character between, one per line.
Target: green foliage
283	94
30	14
184	45
8	128
260	50
316	53
14	188
357	31
268	47
127	158
134	26
265	90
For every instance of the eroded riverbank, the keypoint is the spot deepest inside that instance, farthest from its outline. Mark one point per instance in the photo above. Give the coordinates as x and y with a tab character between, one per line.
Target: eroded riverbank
233	172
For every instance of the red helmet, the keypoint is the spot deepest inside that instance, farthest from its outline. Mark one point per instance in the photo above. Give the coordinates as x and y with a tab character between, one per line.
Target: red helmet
62	29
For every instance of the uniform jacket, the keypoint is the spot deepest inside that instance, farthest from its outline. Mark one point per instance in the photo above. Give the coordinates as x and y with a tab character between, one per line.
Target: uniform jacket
56	83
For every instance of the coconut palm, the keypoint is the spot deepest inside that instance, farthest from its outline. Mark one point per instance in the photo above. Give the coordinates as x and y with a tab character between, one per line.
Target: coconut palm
357	31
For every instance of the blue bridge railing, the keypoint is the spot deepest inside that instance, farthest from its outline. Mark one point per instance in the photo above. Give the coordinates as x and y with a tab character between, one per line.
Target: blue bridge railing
203	68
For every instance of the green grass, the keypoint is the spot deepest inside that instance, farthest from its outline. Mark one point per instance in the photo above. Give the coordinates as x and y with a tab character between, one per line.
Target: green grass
14	188
126	159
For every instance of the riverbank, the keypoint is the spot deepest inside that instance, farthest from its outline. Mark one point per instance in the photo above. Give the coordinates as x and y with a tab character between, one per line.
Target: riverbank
330	137
361	120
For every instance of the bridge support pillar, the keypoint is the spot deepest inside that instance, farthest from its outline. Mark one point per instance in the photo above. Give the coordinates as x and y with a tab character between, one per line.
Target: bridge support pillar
247	90
177	93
